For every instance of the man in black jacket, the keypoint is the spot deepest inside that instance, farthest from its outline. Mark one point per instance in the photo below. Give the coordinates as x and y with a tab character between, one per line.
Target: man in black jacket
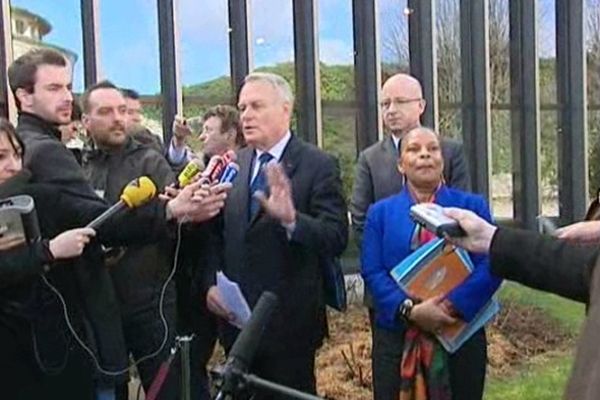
34	335
552	265
41	84
221	131
40	81
141	271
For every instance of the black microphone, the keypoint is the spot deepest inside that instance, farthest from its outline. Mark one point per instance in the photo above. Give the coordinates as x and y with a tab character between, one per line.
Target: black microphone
137	193
245	346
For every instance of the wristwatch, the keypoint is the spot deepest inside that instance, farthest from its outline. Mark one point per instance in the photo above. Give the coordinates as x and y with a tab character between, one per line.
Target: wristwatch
405	309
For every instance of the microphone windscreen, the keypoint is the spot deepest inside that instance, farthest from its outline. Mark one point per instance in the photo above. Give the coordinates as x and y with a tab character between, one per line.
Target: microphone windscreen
229	156
230	173
188	173
138	192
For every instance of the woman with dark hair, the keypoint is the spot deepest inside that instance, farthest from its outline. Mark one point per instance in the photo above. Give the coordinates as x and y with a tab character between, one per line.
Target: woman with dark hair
414	366
66	245
40	358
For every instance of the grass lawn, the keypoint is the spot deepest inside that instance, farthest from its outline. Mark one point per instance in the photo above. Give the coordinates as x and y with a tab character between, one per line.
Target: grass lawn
545	380
544	377
568	313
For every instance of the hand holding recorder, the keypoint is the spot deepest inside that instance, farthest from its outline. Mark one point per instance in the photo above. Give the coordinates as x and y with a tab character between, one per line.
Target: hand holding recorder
478	232
432	217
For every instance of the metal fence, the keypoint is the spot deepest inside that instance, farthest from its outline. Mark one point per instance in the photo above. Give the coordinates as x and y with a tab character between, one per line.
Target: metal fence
511	78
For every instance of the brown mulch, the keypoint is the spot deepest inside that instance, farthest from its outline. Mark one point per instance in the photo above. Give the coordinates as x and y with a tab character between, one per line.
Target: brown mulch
518	333
343	364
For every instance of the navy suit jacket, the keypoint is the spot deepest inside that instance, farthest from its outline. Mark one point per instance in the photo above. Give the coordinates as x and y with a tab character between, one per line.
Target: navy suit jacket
259	256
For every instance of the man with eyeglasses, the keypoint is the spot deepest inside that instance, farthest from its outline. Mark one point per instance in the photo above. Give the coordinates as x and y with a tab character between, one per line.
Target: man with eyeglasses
377	177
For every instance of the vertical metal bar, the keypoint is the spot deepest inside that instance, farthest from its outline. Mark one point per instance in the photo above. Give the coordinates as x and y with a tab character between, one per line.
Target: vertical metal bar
185	367
572	116
423	58
525	111
367	72
6	100
308	82
239	50
169	67
476	92
89	27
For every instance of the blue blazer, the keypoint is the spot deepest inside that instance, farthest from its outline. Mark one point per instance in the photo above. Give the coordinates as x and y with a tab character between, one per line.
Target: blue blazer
386	242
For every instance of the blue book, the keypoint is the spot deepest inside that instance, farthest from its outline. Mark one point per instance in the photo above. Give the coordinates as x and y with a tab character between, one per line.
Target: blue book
436	268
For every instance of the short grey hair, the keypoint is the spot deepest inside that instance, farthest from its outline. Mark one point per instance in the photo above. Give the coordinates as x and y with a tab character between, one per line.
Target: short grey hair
276	81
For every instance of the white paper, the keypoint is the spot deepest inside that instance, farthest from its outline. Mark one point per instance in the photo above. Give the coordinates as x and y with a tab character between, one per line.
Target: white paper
233	299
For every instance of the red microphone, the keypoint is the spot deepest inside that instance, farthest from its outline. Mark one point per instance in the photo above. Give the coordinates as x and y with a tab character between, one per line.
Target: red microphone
216	166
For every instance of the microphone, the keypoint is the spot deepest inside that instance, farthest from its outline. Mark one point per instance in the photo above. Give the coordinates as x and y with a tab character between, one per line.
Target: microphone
230	173
187	175
229	156
245	346
216	167
137	193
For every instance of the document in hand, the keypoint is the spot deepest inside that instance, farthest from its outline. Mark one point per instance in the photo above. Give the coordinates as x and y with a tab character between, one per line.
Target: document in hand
435	269
234	300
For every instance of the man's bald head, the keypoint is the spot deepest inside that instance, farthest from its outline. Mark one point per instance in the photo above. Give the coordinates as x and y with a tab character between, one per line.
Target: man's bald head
408	84
402	103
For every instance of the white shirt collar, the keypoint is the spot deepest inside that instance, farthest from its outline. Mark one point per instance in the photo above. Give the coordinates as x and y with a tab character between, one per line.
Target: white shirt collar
277	150
396	141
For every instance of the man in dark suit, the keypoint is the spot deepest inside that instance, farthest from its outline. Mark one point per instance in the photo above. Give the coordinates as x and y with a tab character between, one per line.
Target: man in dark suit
377	177
273	240
565	267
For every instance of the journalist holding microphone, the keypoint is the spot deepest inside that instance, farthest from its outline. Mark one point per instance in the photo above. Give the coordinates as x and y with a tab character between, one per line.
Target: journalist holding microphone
407	324
555	265
40	81
40	357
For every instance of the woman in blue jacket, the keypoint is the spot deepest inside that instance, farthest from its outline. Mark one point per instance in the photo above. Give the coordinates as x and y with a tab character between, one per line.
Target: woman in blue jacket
413	365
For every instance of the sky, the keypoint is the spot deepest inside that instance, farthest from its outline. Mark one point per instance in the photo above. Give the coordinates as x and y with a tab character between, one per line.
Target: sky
129	36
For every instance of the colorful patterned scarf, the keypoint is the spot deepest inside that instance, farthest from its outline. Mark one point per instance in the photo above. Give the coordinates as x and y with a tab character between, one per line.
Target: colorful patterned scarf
424	370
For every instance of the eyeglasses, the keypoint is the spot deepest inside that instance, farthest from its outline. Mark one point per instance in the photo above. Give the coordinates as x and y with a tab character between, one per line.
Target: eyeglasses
385	104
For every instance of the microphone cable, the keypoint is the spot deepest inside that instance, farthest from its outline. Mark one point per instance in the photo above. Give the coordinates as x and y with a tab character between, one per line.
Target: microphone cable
163	319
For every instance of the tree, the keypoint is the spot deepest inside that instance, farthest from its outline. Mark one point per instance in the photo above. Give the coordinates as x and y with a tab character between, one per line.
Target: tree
447	14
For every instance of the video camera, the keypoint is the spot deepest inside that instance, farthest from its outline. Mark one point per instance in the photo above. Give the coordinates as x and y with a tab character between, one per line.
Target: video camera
18	221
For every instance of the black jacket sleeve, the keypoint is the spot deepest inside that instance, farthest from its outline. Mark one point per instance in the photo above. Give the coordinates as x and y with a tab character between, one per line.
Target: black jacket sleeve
325	228
59	211
23	262
543	263
52	163
144	225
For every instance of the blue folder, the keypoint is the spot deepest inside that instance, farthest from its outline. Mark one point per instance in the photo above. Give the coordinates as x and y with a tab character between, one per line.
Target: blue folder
411	265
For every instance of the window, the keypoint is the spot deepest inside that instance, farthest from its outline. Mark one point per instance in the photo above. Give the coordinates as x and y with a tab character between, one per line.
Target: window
20	27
